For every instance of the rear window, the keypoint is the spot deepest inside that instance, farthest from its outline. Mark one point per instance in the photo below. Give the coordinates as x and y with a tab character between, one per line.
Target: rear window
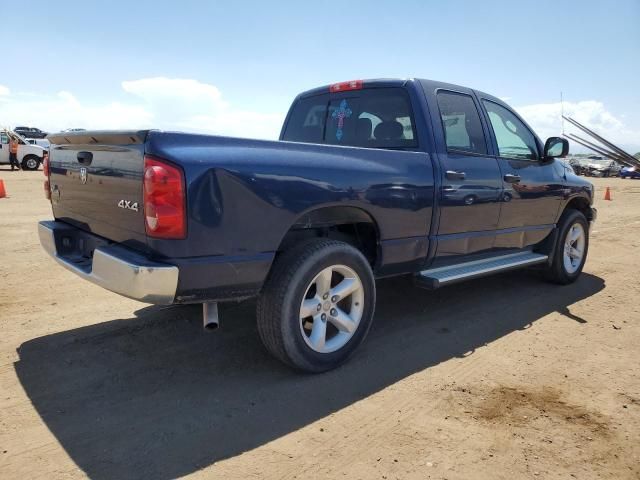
374	118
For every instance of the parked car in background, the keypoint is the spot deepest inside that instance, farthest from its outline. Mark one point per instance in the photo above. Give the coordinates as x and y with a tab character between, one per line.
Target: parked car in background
369	179
579	165
42	142
629	172
29	156
30	132
74	130
602	167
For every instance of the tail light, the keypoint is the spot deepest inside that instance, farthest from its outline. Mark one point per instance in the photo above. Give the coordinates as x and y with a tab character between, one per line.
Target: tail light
46	171
163	199
45	163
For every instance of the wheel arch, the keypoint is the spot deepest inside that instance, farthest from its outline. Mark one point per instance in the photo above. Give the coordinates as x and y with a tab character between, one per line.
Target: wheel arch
548	245
580	203
350	224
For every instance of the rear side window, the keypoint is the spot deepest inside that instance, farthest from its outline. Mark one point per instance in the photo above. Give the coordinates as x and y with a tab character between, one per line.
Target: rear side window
374	118
461	123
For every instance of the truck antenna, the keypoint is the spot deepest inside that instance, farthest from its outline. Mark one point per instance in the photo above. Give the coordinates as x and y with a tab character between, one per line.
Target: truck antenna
562	111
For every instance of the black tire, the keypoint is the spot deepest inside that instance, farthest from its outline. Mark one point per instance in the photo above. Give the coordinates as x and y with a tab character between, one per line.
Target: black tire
30	163
278	308
557	271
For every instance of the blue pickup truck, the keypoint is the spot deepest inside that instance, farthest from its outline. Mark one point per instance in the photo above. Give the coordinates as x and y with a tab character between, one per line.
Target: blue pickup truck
369	179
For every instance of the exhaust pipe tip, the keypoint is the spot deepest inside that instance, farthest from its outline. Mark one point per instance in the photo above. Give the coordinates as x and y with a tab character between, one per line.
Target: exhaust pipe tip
210	327
210	316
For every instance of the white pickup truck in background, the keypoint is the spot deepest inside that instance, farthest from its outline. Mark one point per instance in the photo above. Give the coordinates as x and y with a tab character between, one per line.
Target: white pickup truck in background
29	156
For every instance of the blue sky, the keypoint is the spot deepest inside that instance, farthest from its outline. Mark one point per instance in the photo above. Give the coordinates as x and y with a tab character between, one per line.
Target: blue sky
256	56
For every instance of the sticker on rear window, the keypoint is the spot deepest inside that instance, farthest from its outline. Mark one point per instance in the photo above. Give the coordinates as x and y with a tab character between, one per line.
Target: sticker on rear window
340	114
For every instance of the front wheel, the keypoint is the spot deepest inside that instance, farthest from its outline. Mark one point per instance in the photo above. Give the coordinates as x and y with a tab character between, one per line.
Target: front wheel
317	305
571	249
30	163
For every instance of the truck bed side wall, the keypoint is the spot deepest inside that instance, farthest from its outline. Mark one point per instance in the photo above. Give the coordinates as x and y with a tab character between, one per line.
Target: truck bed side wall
237	187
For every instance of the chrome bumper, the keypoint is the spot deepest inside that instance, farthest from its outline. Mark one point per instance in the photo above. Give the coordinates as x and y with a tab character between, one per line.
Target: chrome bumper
113	267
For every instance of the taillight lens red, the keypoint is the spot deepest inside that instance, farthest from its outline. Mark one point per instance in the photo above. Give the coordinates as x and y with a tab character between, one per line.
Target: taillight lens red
45	164
46	171
164	199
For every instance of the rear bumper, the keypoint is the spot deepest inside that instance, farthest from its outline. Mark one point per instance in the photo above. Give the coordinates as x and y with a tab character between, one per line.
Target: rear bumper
111	266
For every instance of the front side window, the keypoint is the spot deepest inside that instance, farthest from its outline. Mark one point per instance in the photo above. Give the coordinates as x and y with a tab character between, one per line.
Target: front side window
461	123
374	118
4	138
514	139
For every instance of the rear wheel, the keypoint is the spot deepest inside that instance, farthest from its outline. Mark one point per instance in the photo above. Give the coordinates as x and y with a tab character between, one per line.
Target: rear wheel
571	249
317	305
30	163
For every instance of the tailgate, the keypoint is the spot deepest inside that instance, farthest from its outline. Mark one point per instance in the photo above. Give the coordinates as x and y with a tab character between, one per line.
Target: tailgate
96	183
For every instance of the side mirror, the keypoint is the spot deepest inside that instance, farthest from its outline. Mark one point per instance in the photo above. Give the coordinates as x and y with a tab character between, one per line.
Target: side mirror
556	147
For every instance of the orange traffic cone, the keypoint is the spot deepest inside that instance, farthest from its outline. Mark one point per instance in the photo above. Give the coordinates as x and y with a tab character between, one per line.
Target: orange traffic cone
3	192
607	194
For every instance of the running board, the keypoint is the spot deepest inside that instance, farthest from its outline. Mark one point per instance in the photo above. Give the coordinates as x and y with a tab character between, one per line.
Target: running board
438	277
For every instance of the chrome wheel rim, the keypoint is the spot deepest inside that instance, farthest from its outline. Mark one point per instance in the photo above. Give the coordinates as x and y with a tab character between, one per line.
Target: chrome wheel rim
31	163
331	309
574	248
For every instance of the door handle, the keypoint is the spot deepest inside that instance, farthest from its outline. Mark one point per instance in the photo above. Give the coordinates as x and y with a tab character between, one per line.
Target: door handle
85	158
454	175
511	178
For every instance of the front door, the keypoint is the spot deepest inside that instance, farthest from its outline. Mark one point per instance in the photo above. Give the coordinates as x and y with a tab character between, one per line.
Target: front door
471	183
4	148
533	188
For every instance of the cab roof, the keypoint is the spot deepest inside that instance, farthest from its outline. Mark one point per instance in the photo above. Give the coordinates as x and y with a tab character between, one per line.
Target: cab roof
399	82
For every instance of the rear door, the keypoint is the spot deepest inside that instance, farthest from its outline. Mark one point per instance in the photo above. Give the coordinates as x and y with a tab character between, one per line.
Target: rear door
96	183
471	185
533	188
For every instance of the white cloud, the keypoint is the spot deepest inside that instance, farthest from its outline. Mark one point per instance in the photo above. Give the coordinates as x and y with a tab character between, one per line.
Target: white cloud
187	104
63	110
4	90
546	120
165	103
151	88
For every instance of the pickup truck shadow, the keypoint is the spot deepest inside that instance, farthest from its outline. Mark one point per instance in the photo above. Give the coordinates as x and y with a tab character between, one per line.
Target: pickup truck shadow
156	397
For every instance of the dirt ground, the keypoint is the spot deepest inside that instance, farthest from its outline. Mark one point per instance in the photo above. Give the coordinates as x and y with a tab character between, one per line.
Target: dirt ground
501	378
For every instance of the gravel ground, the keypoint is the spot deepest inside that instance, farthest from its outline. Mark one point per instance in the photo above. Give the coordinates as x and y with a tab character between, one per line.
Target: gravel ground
505	377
